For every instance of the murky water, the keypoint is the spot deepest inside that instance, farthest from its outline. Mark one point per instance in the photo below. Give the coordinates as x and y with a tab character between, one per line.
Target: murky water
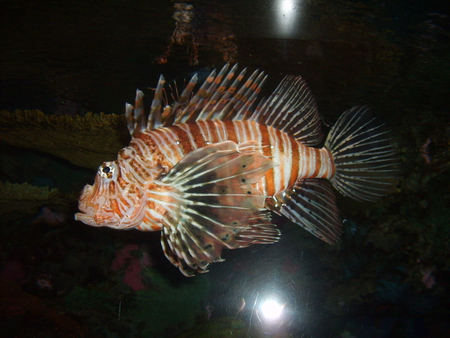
388	275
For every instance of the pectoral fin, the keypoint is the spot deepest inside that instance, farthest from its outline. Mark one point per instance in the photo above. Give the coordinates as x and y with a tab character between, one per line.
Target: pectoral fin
217	205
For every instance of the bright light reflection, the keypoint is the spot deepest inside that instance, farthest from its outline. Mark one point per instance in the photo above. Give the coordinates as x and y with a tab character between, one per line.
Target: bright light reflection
271	309
286	5
287	17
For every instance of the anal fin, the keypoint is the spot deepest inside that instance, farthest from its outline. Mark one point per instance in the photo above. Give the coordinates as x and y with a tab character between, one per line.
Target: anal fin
310	203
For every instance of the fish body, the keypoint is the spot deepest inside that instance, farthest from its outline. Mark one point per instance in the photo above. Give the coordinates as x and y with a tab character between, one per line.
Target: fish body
208	172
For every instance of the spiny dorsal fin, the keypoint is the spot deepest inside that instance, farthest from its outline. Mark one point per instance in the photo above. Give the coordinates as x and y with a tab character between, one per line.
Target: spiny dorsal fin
224	96
135	115
210	199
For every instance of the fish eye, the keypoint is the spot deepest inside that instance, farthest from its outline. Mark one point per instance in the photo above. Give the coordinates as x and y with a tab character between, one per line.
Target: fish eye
107	169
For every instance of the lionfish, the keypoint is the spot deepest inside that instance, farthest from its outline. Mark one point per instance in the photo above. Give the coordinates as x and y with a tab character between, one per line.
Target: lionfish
210	172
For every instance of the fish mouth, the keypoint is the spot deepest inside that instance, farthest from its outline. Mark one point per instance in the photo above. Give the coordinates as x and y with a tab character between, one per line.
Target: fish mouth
98	221
99	212
86	219
107	221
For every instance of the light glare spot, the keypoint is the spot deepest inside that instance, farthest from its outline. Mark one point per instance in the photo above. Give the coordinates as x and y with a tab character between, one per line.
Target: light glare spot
271	309
288	13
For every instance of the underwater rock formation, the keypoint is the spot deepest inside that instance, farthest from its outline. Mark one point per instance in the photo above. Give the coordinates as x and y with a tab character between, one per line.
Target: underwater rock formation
25	199
85	141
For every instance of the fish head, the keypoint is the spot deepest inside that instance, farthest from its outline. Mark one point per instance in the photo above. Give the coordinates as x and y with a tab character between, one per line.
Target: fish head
111	201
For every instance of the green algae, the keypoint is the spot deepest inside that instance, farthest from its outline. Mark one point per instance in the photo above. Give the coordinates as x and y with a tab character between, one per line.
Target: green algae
25	199
85	141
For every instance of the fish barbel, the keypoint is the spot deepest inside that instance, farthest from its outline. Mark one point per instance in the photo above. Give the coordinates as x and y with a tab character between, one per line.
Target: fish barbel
210	172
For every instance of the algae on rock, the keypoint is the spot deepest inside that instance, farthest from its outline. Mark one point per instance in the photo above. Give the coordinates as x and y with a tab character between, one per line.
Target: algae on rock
25	199
85	141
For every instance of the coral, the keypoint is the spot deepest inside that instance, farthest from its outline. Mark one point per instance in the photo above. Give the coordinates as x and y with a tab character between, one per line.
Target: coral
85	141
25	199
134	266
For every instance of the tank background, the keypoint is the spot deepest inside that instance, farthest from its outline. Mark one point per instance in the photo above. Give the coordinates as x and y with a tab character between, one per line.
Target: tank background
388	275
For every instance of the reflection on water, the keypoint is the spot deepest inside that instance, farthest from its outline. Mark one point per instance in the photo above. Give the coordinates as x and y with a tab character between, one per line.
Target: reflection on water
199	26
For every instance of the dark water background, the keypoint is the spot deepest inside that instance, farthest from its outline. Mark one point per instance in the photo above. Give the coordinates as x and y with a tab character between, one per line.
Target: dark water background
389	274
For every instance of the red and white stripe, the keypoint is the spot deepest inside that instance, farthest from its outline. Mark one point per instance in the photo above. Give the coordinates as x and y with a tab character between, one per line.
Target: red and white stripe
294	160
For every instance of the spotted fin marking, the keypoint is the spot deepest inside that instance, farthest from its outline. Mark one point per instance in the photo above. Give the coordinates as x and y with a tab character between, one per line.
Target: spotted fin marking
216	201
364	155
311	203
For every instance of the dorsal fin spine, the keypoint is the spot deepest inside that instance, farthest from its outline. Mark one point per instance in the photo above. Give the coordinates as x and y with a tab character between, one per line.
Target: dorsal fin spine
246	111
139	117
291	108
197	100
129	117
182	102
154	118
209	109
224	96
243	95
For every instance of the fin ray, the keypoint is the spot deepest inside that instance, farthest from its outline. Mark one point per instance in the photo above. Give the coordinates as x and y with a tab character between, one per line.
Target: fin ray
292	108
261	230
224	96
364	156
217	205
311	204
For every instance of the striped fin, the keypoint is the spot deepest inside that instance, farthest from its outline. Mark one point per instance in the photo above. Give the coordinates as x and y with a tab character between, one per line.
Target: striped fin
364	156
214	200
208	98
221	97
225	96
209	93
135	115
241	106
154	118
180	104
311	203
292	109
